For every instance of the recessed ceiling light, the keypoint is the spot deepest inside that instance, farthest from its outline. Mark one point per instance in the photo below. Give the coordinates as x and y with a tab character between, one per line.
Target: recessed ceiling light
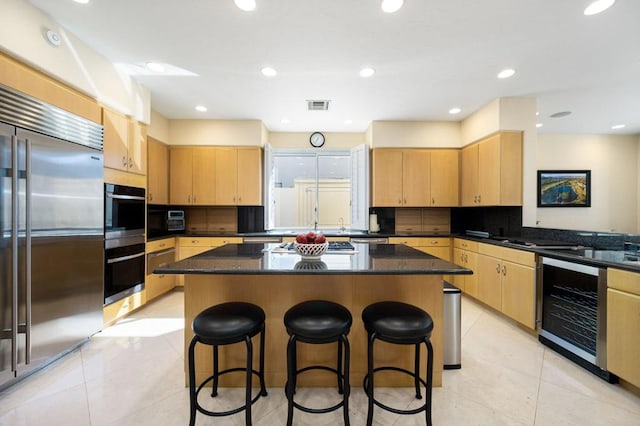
455	110
268	72
155	66
285	121
348	121
246	5
506	73
560	114
82	1
391	6
618	126
598	6
367	72
538	125
201	108
537	113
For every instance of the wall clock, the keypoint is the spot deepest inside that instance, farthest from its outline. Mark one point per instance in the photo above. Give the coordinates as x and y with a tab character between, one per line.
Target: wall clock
316	139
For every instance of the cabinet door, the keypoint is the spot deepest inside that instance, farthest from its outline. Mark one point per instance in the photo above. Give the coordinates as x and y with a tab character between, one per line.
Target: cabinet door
511	168
518	293
226	176
489	171
158	172
157	285
469	190
458	259
386	171
116	134
445	177
137	148
416	178
181	176
623	335
471	281
490	281
204	176
249	176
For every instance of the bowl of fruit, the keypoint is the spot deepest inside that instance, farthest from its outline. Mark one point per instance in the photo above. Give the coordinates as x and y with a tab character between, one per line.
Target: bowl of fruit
311	246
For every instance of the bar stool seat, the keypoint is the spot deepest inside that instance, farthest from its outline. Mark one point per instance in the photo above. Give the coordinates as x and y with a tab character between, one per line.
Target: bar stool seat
403	324
226	324
318	322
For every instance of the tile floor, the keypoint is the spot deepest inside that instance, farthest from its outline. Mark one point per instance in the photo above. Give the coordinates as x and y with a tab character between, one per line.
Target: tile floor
131	374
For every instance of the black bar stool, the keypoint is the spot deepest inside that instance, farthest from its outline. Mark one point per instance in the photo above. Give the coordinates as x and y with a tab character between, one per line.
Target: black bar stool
318	322
226	324
402	324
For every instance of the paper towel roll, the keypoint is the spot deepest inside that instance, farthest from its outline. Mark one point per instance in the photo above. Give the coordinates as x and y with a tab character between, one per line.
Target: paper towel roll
373	223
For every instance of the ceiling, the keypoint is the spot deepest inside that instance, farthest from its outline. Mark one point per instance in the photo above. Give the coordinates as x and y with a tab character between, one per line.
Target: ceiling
429	57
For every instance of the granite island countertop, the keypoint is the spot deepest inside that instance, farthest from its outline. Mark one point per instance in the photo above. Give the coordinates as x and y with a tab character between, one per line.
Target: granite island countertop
260	258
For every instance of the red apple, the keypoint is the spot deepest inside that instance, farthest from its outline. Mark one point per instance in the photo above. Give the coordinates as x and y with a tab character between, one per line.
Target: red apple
301	239
320	239
311	237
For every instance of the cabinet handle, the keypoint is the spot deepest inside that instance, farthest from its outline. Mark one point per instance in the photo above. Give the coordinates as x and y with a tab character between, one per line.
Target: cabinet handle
239	199
464	244
195	241
130	163
405	201
194	198
434	242
150	197
479	198
162	245
466	258
433	201
400	201
504	270
461	257
498	268
188	198
124	161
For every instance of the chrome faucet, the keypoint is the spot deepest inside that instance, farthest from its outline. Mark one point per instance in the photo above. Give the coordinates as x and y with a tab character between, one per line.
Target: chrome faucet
342	228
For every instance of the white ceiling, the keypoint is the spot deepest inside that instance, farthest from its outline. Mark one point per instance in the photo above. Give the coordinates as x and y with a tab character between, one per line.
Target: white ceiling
430	56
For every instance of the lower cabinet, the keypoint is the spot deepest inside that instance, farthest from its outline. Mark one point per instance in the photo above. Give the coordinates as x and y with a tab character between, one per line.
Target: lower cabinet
623	324
438	247
122	307
465	253
190	246
159	253
507	282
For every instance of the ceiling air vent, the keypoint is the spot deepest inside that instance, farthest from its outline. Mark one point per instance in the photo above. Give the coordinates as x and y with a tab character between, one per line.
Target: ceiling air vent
317	105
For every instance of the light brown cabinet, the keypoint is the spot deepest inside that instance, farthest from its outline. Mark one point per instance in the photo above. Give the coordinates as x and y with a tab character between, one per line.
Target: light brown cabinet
492	171
465	253
192	176
623	324
435	246
158	172
238	176
156	285
125	143
506	282
414	177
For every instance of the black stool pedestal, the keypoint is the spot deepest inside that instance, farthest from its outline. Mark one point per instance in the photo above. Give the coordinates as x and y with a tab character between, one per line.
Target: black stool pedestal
225	324
402	324
318	322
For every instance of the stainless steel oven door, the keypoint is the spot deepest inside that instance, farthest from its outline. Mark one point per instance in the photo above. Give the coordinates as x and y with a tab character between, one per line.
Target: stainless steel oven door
124	211
124	271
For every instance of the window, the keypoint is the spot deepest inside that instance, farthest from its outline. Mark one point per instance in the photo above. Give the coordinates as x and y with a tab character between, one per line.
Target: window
308	189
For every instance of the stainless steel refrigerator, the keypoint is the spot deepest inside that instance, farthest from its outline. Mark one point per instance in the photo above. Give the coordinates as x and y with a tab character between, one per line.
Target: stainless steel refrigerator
52	241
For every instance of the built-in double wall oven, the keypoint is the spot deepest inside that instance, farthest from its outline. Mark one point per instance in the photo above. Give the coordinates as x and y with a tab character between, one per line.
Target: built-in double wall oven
124	241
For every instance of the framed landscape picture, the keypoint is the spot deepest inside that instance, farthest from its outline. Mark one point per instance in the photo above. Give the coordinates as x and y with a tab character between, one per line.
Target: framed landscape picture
564	188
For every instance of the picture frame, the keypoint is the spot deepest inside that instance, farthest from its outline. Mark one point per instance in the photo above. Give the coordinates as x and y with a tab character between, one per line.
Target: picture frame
564	188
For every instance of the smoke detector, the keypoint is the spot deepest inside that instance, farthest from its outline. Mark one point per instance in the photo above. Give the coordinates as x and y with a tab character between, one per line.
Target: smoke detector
52	37
318	105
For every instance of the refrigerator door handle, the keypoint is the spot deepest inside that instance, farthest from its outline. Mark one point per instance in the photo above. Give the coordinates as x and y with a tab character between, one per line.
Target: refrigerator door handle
14	253
28	253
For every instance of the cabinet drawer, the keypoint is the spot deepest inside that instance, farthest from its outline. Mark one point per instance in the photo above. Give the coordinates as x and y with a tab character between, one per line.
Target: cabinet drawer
122	307
436	242
623	280
158	245
465	244
407	241
512	255
207	241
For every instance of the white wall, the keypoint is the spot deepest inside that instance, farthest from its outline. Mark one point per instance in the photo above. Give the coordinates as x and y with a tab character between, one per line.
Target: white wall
22	29
216	132
301	139
415	134
613	161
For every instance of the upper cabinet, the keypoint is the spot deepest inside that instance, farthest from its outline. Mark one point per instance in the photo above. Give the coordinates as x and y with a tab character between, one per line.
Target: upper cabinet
414	178
492	171
224	176
192	176
158	173
125	143
238	176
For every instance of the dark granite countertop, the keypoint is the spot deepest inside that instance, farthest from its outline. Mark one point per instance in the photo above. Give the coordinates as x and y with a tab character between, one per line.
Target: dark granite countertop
605	258
270	259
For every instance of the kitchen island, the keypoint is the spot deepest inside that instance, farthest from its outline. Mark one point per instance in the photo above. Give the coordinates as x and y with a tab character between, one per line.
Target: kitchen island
276	279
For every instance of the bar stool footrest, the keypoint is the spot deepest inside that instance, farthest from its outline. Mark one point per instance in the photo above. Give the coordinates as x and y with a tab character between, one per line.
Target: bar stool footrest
365	384
317	410
235	410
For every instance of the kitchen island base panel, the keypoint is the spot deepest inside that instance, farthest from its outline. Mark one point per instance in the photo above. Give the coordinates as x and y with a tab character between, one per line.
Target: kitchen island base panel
277	293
